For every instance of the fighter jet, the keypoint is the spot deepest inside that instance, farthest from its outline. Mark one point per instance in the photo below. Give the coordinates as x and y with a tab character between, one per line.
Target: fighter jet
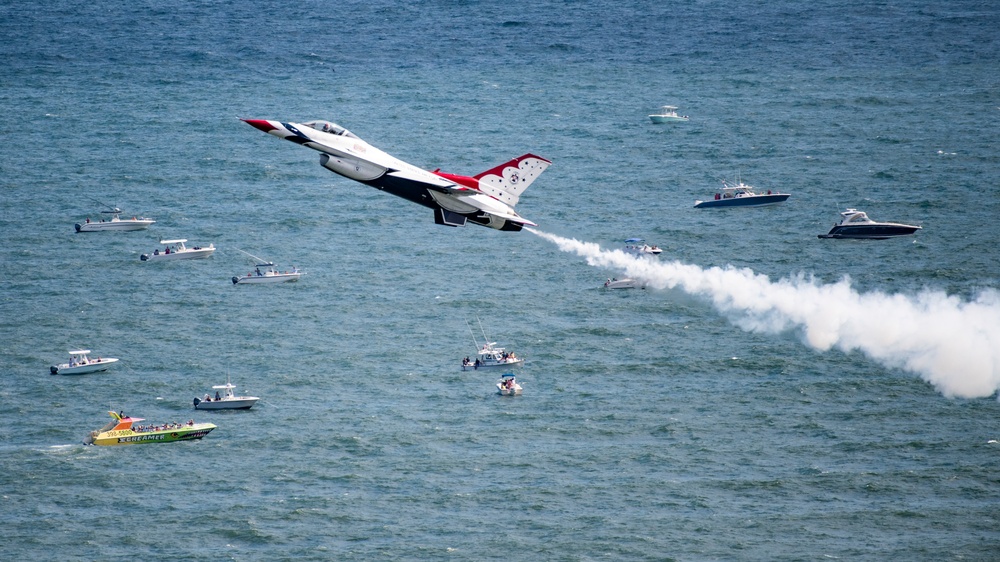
487	199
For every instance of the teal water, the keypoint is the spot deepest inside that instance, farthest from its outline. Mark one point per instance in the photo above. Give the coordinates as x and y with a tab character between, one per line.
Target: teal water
687	421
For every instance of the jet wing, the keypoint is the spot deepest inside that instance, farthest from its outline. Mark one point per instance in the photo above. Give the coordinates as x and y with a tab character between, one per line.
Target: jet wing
427	179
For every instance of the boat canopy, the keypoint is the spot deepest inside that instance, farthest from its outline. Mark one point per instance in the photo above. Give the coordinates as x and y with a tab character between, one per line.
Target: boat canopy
508	375
633	240
223	386
329	127
852	215
178	241
80	352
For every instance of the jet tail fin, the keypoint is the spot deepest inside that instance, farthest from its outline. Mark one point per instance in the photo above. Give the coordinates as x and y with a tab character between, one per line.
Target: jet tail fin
508	181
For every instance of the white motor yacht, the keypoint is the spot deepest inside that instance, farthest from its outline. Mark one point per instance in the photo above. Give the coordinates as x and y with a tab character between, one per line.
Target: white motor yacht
490	355
266	272
225	399
667	114
80	363
639	247
624	283
508	385
113	221
176	250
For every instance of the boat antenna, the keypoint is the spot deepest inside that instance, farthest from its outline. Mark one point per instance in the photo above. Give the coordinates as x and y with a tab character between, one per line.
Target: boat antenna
259	260
487	338
111	208
476	342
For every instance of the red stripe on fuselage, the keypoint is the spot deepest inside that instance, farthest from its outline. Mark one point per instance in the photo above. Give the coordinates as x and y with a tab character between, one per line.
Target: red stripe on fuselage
460	180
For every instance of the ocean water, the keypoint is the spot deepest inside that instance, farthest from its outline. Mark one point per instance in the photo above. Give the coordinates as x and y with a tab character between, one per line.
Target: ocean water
769	396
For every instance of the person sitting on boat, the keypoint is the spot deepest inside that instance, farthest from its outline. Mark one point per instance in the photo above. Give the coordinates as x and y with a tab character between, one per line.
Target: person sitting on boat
208	398
217	397
167	251
476	366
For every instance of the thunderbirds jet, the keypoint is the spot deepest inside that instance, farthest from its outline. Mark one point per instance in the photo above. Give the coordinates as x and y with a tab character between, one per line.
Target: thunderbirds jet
487	199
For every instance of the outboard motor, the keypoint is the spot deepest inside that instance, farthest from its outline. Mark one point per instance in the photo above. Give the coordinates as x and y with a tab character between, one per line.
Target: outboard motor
235	279
54	370
143	257
77	225
196	402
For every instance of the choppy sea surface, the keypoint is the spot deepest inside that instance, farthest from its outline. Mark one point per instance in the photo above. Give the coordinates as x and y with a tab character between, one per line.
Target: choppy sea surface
768	396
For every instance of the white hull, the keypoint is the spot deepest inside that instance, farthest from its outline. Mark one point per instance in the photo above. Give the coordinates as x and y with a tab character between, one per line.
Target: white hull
180	255
122	225
482	365
624	284
93	367
238	403
666	119
276	278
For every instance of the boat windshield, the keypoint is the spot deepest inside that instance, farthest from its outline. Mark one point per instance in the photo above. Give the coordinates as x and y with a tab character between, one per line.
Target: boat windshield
332	128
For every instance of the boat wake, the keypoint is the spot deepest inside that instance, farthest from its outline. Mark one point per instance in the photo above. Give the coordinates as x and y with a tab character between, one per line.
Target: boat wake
951	343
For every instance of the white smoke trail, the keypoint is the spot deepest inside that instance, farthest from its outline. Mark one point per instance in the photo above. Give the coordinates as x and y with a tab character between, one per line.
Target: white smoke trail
951	343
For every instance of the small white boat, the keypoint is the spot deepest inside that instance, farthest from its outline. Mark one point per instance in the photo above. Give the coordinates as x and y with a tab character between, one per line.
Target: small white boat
624	283
225	399
114	222
269	274
856	224
508	385
742	195
176	250
639	247
667	114
490	355
80	363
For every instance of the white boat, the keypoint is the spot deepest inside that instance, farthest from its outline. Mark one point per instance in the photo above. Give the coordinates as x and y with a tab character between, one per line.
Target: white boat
742	195
176	250
490	355
667	114
508	385
639	247
80	363
624	283
114	222
265	272
856	224
225	399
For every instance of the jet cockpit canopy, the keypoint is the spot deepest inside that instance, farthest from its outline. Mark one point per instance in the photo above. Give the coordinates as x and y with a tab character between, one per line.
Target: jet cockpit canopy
328	127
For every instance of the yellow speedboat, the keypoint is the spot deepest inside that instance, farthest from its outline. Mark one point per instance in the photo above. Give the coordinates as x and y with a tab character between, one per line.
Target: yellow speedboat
122	430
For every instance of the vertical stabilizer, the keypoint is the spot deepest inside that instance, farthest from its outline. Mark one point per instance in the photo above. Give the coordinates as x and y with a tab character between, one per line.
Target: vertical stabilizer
508	181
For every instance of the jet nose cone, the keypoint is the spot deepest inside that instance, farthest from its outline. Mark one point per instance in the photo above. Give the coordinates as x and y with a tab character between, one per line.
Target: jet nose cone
261	124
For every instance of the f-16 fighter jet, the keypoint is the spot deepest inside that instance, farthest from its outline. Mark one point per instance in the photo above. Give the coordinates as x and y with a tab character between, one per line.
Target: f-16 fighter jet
487	199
